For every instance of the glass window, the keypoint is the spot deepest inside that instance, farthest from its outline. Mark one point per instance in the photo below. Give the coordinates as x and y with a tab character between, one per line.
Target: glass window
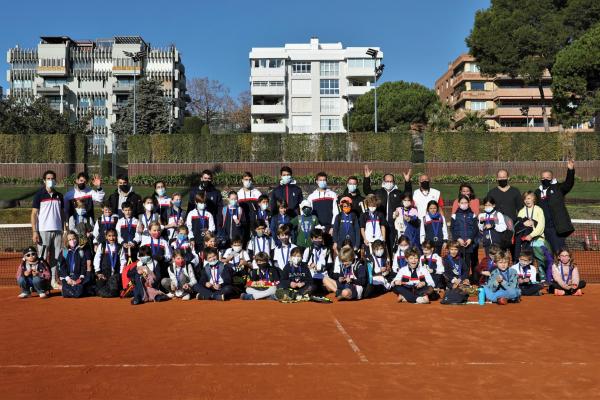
99	121
478	105
99	102
260	83
330	124
330	68
302	67
275	83
477	85
84	102
330	86
330	105
472	67
361	63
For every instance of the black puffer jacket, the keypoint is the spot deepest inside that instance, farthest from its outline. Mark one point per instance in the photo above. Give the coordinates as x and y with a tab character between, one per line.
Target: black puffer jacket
554	203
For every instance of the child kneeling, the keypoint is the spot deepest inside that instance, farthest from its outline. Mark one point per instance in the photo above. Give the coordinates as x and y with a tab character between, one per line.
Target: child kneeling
502	286
216	278
413	283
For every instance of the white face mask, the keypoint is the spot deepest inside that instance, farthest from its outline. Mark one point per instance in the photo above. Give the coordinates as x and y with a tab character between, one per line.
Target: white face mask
464	207
285	179
372	209
295	260
201	206
247	184
388	185
489	209
50	183
403	248
406	204
80	211
264	206
237	249
378	253
351	188
148	207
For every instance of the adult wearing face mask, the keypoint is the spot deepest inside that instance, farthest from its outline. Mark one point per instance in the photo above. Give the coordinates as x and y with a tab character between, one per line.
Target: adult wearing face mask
508	198
81	191
424	194
48	220
550	197
123	193
390	199
214	199
353	192
287	191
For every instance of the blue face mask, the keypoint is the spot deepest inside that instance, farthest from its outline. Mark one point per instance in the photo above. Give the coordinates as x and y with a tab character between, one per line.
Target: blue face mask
322	184
232	202
351	188
181	237
144	259
177	203
160	192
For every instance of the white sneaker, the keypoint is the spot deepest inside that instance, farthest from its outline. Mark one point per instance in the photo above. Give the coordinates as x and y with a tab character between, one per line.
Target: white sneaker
55	285
423	300
24	295
170	295
186	297
43	295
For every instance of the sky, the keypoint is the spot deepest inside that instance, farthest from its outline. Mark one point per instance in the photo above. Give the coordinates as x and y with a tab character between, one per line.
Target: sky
418	38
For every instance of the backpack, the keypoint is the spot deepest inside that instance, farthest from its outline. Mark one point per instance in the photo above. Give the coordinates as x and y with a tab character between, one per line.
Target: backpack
455	296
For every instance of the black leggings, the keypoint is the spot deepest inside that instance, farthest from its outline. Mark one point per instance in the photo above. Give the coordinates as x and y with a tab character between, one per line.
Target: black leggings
568	292
410	293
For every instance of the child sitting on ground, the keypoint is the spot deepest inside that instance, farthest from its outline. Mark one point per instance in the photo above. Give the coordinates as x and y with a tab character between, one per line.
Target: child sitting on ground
181	278
502	286
565	276
263	280
349	276
456	276
487	265
433	263
215	282
379	270
413	283
33	274
145	281
296	280
527	274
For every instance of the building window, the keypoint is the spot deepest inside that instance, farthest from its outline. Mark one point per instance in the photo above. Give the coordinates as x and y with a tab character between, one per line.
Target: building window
478	105
84	102
276	83
330	86
477	85
22	84
260	83
99	121
330	124
330	105
471	67
99	102
267	63
302	67
54	82
361	63
330	68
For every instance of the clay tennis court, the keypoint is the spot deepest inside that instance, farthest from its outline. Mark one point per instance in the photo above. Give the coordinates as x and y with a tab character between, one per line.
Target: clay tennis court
93	348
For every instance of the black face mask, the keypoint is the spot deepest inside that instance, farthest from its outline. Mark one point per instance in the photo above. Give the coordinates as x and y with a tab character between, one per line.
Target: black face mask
205	184
81	186
546	183
425	185
124	188
262	266
503	183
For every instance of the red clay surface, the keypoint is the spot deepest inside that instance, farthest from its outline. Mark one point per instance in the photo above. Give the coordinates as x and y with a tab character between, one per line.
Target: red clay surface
544	347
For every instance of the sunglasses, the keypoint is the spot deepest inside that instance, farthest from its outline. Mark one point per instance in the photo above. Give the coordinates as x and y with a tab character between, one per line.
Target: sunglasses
30	254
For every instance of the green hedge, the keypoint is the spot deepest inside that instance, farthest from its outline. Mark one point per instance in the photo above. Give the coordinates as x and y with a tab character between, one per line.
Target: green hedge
270	147
42	148
510	146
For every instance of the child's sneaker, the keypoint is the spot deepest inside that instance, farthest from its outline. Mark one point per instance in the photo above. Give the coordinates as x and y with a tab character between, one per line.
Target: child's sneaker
502	301
24	295
43	295
578	292
423	300
559	292
186	297
246	296
171	295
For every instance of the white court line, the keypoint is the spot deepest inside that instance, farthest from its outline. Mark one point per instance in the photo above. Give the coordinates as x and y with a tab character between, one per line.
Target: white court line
351	342
296	364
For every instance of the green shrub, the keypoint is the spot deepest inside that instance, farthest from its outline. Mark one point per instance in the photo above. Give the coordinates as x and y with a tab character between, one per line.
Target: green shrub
42	148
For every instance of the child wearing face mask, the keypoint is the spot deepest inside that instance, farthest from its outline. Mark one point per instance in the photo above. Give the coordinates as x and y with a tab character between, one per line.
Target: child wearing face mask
199	221
296	279
215	278
527	275
181	278
127	232
249	196
434	228
81	223
433	263
72	267
182	243
260	242
240	262
231	220
463	225
349	278
413	283
372	223
162	201
159	249
346	226
147	217
487	265
502	286
282	218
399	260
303	224
174	217
565	276
109	262
262	213
281	254
324	203
318	259
407	222
491	224
33	274
456	276
379	270
263	280
145	283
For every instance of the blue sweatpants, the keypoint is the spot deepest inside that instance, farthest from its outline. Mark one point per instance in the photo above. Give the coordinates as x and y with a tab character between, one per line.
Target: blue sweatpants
509	294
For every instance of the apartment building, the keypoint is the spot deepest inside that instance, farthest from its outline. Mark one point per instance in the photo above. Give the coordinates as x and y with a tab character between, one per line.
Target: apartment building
506	103
79	77
308	87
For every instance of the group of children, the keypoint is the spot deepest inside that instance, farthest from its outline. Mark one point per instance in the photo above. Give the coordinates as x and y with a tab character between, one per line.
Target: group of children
325	245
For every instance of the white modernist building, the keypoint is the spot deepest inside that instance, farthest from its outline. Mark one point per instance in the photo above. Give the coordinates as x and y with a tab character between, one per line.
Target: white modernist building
79	77
308	87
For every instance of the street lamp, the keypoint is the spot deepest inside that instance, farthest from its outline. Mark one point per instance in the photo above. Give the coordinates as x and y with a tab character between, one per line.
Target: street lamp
135	57
377	72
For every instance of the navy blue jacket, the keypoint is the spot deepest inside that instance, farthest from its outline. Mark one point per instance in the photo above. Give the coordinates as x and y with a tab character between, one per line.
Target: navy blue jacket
464	226
346	226
291	193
